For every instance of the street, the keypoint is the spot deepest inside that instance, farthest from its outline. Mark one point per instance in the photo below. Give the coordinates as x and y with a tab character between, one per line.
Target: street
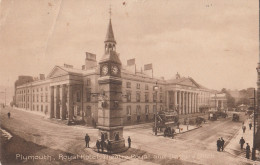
194	147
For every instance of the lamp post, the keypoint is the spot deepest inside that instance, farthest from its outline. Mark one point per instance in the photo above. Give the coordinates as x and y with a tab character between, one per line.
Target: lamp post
155	118
253	149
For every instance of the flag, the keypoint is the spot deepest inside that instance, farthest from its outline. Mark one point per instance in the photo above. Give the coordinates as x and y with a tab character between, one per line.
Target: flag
148	67
131	62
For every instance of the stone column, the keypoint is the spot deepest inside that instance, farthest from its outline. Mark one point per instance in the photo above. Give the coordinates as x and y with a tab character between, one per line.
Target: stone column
179	102
70	102
183	103
58	102
194	102
190	102
187	102
63	102
167	100
175	99
52	102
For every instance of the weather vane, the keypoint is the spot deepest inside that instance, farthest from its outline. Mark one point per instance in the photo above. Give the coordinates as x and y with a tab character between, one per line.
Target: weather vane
110	12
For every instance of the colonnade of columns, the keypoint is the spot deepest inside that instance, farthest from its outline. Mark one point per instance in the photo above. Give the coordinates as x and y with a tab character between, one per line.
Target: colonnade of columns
184	102
61	102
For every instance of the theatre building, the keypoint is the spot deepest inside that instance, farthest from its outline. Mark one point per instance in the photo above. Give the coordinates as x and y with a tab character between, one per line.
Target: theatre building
67	93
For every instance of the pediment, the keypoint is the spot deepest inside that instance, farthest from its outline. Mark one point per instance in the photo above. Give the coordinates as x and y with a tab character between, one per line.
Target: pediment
189	82
57	71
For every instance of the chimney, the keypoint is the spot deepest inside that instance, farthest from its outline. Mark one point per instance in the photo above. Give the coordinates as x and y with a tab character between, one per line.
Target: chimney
83	67
178	76
42	76
68	66
90	61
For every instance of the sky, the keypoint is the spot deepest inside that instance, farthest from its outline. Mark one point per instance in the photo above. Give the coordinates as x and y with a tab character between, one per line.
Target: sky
213	41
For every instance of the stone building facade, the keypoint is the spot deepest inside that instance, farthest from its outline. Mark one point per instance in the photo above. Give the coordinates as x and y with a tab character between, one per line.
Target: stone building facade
72	94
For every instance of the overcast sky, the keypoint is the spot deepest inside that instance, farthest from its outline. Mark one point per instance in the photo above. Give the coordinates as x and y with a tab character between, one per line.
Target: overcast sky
213	41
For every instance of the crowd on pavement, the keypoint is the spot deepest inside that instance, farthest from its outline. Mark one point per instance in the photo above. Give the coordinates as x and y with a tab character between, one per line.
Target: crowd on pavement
102	144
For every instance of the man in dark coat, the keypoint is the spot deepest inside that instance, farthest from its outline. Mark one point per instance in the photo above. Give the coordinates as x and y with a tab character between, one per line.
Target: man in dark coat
247	151
98	145
109	147
250	126
222	144
242	142
129	142
218	144
87	139
9	115
102	146
244	128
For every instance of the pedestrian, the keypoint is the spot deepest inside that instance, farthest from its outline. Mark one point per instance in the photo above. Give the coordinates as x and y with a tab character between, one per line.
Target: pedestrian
98	145
87	139
247	151
102	146
222	144
250	126
129	142
9	115
173	131
244	128
218	144
242	142
109	147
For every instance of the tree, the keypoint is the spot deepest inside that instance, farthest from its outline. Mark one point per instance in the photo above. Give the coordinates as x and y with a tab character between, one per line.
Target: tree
230	99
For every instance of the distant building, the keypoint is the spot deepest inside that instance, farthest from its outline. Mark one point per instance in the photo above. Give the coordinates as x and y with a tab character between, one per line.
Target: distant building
218	102
72	94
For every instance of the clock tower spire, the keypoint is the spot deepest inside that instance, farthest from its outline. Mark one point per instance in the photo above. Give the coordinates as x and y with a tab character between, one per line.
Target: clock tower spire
110	92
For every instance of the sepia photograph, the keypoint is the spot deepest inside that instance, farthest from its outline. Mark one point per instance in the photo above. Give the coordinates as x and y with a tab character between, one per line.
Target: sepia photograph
129	82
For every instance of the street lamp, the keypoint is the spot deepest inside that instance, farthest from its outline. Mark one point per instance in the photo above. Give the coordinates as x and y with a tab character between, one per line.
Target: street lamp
253	149
155	118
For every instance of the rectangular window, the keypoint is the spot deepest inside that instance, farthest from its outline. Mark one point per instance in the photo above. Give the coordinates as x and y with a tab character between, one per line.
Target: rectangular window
138	97
128	110
154	97
146	87
161	98
160	89
137	86
46	109
146	97
128	84
154	109
78	96
88	95
147	109
41	98
37	98
128	96
46	97
161	108
88	83
33	98
138	110
41	108
37	107
33	107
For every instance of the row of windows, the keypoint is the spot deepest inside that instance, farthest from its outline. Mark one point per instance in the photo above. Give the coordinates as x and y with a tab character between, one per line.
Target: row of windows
34	90
146	97
138	86
138	109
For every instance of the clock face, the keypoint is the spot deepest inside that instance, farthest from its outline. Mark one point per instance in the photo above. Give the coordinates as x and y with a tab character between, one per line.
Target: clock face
114	69
104	70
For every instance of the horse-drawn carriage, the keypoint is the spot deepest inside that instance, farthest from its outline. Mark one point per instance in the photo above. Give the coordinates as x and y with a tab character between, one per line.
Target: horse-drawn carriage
235	117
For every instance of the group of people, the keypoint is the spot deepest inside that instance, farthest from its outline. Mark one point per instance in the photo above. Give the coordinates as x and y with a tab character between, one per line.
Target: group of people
220	144
101	144
242	142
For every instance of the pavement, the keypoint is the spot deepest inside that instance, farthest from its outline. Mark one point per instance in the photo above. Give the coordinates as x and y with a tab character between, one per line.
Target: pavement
233	147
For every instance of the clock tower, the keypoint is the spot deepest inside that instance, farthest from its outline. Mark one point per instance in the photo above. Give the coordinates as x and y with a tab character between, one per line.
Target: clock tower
110	101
